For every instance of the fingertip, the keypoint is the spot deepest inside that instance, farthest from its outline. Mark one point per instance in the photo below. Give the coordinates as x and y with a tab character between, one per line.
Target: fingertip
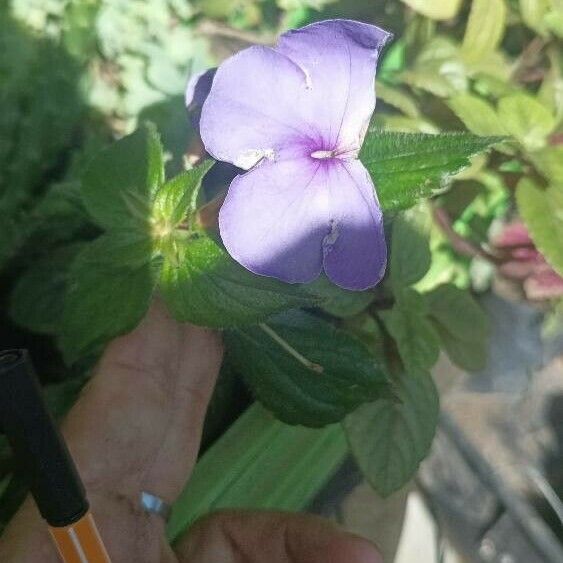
349	548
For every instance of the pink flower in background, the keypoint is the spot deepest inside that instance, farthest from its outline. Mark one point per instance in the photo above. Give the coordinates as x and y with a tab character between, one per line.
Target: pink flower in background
294	117
526	264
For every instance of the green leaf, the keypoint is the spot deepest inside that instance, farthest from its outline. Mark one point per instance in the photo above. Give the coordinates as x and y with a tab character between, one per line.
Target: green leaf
178	197
280	362
397	98
406	168
202	284
120	181
462	325
542	211
485	29
337	301
549	163
415	336
525	118
389	439
104	298
271	466
477	115
442	10
533	14
36	302
410	252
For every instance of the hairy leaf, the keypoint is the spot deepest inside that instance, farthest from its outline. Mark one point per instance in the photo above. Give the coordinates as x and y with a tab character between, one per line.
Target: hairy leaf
120	181
389	439
202	284
304	369
406	167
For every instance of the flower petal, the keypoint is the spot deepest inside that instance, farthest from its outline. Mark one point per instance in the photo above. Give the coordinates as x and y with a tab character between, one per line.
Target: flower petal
257	108
275	218
355	250
339	58
197	90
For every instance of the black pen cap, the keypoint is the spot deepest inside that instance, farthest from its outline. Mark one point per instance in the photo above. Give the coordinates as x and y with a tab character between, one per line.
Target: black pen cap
38	446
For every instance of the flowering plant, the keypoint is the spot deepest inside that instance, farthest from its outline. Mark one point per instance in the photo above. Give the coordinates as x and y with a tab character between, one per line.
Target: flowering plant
311	257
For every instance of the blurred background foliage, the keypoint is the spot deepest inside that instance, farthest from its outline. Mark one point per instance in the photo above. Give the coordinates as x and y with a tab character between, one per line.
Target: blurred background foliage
76	74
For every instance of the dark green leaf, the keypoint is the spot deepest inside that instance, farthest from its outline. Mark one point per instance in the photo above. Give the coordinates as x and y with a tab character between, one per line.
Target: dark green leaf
37	300
407	167
104	299
416	337
410	252
280	362
120	181
462	325
338	301
202	284
389	439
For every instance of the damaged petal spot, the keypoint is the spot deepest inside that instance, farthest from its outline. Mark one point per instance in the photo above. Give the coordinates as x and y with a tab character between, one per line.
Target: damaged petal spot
330	239
251	157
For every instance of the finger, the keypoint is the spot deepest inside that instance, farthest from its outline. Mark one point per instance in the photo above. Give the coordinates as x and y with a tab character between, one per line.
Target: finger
275	537
139	424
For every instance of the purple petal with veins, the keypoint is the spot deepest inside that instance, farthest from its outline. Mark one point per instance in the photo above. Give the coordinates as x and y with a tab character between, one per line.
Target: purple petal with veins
295	117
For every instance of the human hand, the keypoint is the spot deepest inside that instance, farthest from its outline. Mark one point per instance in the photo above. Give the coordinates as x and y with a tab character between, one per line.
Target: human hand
137	427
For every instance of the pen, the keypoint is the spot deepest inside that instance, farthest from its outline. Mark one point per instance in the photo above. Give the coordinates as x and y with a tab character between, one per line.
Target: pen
41	453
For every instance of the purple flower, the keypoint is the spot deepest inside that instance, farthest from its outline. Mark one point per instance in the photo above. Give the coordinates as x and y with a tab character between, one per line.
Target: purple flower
295	117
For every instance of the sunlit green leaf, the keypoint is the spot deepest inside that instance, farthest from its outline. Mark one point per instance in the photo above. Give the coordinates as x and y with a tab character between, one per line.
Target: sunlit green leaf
526	119
202	284
441	10
477	115
406	168
542	211
485	29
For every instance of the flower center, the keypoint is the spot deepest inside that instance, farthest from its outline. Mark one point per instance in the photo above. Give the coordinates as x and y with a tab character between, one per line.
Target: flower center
323	154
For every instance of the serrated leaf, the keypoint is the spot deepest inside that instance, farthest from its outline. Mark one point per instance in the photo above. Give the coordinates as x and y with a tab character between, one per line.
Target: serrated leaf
104	299
410	252
36	302
485	29
525	118
389	439
416	338
406	168
477	115
462	325
178	197
441	10
542	211
120	181
202	284
282	380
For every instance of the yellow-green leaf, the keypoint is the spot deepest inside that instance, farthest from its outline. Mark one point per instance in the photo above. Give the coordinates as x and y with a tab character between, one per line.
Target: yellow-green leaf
542	211
485	29
526	119
477	115
435	9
